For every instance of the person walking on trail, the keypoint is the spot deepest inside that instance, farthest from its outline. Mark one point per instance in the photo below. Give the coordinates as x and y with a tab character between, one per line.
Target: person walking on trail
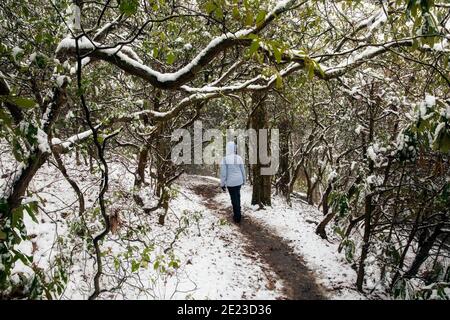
232	177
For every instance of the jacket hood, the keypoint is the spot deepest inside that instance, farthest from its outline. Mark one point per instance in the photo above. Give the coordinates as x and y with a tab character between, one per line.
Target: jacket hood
231	148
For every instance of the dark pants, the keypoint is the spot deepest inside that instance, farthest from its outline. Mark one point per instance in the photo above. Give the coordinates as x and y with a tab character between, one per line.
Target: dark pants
235	195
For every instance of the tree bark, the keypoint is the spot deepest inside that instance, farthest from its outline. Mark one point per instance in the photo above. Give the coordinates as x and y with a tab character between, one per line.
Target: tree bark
368	208
285	175
366	242
37	157
140	174
310	187
261	194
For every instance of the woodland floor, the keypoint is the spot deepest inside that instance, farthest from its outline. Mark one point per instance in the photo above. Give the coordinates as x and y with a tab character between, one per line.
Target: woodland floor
298	281
273	254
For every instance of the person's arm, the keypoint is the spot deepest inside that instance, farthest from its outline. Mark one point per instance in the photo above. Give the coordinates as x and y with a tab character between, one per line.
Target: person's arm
243	172
223	174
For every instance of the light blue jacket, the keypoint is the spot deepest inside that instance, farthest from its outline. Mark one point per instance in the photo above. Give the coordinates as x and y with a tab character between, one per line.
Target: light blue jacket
232	170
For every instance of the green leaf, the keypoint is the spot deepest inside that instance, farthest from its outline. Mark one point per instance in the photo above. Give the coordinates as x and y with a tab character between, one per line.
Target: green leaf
155	52
339	231
129	7
25	103
249	18
31	209
2	235
236	14
17	216
253	47
251	36
31	134
170	58
17	150
413	8
310	71
24	258
277	54
279	81
134	265
260	17
100	139
116	263
40	61
210	7
219	13
7	120
415	45
319	68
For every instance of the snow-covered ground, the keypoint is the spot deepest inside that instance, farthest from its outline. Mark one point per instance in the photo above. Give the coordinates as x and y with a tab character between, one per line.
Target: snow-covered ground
297	224
211	262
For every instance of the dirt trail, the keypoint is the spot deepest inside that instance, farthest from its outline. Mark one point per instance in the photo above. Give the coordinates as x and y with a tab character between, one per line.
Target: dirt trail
299	282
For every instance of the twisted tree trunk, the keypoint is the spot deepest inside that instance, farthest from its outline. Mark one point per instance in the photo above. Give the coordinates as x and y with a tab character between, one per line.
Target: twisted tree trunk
37	157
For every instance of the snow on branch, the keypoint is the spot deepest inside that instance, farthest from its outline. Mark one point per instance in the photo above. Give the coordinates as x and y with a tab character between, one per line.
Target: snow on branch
223	89
118	56
371	24
65	146
299	62
356	60
227	73
442	5
107	27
